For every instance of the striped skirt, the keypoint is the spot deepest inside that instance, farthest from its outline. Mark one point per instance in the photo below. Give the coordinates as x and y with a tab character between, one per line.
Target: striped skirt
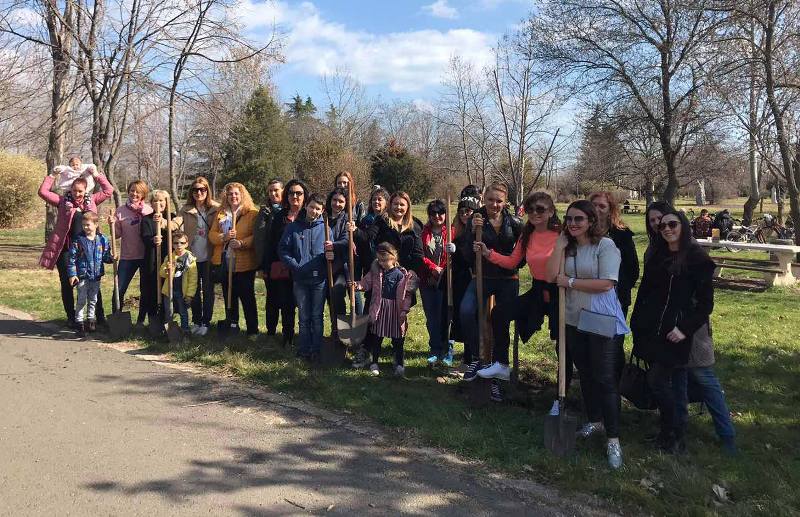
389	323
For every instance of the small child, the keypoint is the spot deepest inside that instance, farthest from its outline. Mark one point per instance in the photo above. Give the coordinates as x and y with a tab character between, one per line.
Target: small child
85	269
392	289
184	280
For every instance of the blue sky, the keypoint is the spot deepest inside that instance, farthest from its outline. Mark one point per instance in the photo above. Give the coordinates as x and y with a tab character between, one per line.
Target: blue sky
396	49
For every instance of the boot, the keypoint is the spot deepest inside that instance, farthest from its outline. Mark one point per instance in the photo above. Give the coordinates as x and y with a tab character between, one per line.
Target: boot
80	329
91	326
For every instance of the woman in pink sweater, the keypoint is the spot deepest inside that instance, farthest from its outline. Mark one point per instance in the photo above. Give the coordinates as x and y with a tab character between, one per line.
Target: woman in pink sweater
127	225
535	246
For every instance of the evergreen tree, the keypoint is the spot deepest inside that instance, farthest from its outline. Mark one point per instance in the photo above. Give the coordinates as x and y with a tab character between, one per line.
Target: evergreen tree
259	146
395	169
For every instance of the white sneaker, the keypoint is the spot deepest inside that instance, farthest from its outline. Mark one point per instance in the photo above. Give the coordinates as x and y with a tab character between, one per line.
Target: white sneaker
495	371
555	409
590	429
399	370
194	329
374	370
202	330
614	453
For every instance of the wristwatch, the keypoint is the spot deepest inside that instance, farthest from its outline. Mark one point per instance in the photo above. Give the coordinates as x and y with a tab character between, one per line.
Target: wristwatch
571	282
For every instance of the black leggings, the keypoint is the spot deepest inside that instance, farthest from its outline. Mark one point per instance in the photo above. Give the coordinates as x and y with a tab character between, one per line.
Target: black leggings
280	301
68	294
373	344
244	290
203	301
659	378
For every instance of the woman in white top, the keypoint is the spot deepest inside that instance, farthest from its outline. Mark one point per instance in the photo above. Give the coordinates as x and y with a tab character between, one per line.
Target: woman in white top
198	214
591	268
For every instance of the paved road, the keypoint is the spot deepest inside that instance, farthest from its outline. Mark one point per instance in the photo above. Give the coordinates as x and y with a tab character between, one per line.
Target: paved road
86	430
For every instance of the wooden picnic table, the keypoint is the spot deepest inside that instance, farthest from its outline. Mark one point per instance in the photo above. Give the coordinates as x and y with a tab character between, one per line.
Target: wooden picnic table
781	274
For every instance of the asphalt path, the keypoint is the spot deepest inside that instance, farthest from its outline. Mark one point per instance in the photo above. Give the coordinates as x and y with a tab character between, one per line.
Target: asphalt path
86	429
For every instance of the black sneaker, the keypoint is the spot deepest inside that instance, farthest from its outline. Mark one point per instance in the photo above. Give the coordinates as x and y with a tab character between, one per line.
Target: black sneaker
496	394
472	372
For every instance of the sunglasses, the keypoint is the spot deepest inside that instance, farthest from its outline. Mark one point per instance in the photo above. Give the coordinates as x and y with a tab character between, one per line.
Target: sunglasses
669	224
199	189
296	193
435	212
465	211
577	219
539	209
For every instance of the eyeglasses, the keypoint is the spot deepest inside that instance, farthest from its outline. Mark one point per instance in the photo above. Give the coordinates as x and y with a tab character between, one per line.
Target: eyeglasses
577	219
539	209
669	224
199	189
435	212
296	193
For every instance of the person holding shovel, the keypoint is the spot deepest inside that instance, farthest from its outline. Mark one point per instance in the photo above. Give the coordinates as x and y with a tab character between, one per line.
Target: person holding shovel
436	235
232	238
182	271
594	318
154	231
336	208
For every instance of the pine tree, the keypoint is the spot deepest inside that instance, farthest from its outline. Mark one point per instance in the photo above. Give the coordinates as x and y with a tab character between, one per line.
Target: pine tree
395	169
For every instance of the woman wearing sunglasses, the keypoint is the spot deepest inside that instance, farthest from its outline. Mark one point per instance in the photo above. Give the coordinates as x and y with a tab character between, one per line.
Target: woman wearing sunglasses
198	214
675	300
591	268
534	246
436	235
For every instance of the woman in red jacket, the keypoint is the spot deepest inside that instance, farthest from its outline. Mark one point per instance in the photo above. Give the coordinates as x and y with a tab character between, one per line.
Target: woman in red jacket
436	235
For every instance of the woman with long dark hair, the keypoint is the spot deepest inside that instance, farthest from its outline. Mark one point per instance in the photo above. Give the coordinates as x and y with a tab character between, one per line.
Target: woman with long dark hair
436	235
591	268
336	208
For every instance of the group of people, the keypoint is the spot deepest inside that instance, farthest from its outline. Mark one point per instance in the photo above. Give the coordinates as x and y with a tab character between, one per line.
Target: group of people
297	236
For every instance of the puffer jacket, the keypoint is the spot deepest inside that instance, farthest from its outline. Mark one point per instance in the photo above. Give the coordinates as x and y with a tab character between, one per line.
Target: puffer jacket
373	282
86	257
59	239
302	249
501	242
186	270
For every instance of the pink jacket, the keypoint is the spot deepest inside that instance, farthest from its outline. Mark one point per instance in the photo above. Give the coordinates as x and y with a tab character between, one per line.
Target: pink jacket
60	236
129	229
373	281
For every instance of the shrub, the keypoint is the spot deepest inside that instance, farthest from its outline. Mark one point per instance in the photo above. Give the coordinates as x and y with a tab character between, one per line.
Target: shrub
19	178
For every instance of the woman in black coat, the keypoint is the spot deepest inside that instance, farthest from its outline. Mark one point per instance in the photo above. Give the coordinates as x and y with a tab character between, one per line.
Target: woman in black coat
675	299
399	228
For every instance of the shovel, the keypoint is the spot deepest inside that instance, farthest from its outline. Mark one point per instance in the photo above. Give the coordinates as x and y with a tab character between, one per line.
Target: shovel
480	389
352	329
155	327
224	328
174	332
332	353
119	323
559	430
448	277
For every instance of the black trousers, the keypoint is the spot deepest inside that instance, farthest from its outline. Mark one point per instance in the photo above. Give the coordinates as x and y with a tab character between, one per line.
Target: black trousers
149	298
68	294
280	301
597	359
373	344
203	301
659	378
244	291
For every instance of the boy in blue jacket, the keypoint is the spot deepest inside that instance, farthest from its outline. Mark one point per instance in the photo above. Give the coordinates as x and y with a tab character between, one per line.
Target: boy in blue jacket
85	269
303	249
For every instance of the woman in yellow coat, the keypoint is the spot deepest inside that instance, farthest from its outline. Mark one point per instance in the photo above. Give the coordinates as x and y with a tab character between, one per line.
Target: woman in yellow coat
233	250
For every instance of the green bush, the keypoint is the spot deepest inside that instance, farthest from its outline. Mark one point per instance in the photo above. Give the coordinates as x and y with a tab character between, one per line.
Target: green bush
19	182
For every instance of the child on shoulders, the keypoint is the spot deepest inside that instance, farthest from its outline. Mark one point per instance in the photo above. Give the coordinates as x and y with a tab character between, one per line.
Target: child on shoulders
85	268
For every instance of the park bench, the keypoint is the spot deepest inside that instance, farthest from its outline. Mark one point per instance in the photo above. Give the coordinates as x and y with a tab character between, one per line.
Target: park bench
777	271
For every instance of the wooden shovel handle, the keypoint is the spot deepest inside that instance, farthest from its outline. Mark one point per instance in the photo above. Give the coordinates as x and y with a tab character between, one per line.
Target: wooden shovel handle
479	290
562	336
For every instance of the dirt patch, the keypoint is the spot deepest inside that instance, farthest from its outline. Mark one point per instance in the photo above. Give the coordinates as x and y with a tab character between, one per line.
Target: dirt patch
19	256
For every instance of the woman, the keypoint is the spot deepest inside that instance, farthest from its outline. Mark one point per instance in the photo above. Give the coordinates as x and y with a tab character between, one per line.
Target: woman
436	235
610	221
69	225
197	215
343	181
397	227
378	204
234	244
461	271
279	282
591	268
154	233
261	234
127	223
501	230
534	246
336	207
652	217
675	300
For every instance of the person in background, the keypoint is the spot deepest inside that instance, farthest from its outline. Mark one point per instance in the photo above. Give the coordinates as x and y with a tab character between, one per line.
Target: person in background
501	231
234	244
261	235
154	231
69	225
304	250
392	289
87	254
591	266
279	281
436	235
365	249
701	226
197	215
336	207
184	280
534	246
127	221
343	181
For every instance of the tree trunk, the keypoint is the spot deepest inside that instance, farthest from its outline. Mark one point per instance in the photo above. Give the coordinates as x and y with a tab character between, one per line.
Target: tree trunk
700	194
755	192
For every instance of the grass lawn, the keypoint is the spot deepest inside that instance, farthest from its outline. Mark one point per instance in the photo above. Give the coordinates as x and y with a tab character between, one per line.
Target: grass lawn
758	362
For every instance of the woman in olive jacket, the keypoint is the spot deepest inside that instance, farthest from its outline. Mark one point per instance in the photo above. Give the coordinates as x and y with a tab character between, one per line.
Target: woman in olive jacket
675	299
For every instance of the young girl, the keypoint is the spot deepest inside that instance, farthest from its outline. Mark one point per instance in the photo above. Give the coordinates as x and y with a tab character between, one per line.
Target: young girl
391	288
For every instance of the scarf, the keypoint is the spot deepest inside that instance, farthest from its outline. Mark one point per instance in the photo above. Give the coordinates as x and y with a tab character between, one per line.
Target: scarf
135	207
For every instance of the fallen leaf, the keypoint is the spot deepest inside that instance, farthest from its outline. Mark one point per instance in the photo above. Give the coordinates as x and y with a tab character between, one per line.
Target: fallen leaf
720	492
467	415
441	380
768	446
330	507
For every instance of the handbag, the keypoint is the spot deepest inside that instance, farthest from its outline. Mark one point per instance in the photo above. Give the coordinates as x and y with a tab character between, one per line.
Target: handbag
597	324
633	385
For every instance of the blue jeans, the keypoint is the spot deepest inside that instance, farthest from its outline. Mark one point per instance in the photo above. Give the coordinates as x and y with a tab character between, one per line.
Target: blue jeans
433	304
125	271
310	306
178	305
505	292
713	398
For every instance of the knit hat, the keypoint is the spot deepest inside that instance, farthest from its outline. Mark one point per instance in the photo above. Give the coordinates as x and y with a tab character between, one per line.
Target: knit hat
469	202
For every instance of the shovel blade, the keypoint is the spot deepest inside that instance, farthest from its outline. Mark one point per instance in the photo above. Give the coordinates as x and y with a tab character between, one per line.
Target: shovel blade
352	334
119	325
225	331
155	328
332	354
174	332
559	433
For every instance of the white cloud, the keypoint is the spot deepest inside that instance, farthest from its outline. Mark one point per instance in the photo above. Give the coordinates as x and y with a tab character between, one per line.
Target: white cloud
441	9
404	62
